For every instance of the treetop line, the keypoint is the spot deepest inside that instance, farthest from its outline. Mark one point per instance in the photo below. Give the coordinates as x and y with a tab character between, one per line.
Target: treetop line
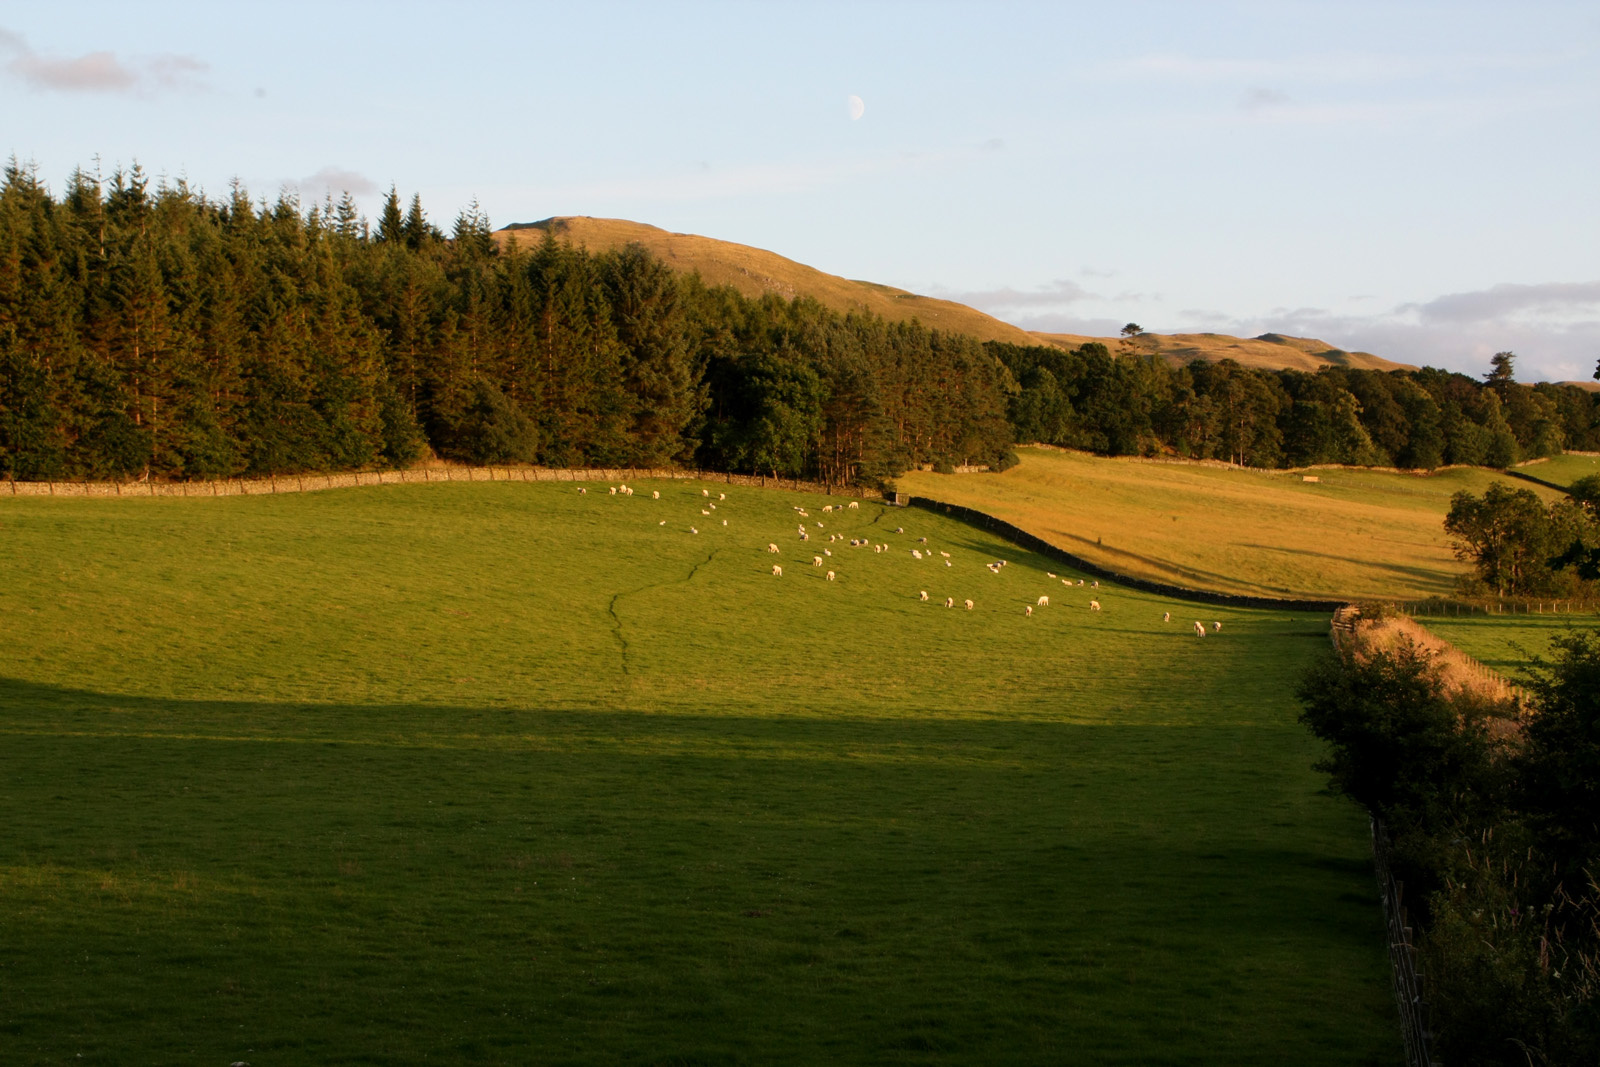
152	332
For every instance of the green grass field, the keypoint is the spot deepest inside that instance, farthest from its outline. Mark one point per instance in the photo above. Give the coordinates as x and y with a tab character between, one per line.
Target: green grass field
1508	643
1354	533
1563	470
498	773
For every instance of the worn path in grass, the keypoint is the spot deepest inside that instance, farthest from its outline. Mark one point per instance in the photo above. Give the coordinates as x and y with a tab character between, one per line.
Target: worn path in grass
1353	533
501	773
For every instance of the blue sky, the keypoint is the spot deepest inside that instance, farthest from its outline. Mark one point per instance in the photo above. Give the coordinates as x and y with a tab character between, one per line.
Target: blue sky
1417	180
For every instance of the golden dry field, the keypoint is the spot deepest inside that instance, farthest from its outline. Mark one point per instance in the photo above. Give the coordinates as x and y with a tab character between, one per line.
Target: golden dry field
1352	533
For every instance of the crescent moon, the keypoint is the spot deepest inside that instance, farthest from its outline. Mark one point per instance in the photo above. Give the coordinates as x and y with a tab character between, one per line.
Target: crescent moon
856	106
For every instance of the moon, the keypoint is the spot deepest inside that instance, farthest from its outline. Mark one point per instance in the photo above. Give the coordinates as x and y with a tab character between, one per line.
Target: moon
856	106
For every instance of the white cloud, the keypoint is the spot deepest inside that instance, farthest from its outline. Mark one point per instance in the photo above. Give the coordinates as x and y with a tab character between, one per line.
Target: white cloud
97	72
1059	293
334	182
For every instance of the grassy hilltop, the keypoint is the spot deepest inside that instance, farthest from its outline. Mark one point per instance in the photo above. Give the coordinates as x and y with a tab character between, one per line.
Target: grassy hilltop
502	773
755	271
1353	533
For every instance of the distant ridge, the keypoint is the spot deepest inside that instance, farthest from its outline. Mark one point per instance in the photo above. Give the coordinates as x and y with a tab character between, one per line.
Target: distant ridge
755	272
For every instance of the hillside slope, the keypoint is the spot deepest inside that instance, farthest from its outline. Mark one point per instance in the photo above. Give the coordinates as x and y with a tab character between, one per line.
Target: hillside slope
755	271
1352	533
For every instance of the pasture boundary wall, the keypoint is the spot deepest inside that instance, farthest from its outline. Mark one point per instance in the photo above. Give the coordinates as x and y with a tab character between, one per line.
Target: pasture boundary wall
1024	539
307	483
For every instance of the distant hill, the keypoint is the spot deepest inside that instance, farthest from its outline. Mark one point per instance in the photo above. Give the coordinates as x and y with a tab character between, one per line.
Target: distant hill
755	271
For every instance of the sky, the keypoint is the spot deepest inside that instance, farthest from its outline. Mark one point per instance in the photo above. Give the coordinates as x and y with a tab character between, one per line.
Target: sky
1418	180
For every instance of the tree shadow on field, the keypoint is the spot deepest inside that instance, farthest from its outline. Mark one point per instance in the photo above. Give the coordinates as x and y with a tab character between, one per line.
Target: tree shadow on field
1424	576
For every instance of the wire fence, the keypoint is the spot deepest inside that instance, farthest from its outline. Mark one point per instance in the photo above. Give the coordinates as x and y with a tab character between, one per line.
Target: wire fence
307	483
1414	1024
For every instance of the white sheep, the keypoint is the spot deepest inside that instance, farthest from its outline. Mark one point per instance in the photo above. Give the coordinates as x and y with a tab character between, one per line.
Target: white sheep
949	601
724	522
713	507
1216	627
819	525
1066	581
722	496
582	491
693	530
1199	629
1028	610
1080	582
915	553
777	571
705	492
947	563
655	494
969	605
1043	601
1094	585
816	561
804	536
830	576
924	594
772	548
613	490
943	553
899	529
827	552
1094	605
1166	616
827	509
703	511
1047	574
663	522
922	540
854	504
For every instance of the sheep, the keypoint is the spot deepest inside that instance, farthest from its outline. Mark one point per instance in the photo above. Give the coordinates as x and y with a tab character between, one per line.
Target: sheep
582	491
655	494
947	563
830	576
1216	627
924	594
663	522
949	601
917	554
854	505
703	511
801	528
876	549
724	522
819	525
943	553
1066	581
827	552
713	507
722	496
705	492
1094	605
777	571
1199	629
899	529
969	605
827	509
804	536
693	530
613	490
1166	616
1028	610
1047	574
1094	585
1044	601
816	561
1080	582
772	548
922	540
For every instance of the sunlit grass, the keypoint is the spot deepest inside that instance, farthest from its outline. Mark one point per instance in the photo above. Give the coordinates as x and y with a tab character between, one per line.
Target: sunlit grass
502	773
1353	533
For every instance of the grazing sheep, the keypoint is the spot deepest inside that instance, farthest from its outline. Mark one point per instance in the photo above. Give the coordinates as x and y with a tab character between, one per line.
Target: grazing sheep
819	525
969	605
816	561
1094	585
922	540
899	529
827	509
947	563
1002	563
777	571
915	553
693	530
772	547
713	507
804	536
876	549
827	552
1094	605
705	492
943	553
655	494
1166	616
830	576
949	601
1216	627
613	490
1028	610
703	511
1080	582
924	594
801	528
1044	601
854	504
1047	574
1066	581
663	522
722	496
724	522
583	492
1199	629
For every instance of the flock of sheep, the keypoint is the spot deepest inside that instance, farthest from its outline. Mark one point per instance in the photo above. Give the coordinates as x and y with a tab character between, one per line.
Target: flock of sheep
920	553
